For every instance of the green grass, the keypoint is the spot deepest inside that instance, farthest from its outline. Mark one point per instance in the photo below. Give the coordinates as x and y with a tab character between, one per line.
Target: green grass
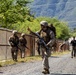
29	59
60	53
26	59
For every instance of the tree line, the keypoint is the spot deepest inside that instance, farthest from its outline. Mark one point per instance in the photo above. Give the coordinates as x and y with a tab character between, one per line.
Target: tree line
15	14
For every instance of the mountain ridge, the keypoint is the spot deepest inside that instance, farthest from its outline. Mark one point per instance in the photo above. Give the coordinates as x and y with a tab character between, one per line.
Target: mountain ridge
64	10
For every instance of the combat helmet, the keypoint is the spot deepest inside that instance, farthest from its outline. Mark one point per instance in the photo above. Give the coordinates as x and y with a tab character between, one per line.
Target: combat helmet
14	31
44	23
23	34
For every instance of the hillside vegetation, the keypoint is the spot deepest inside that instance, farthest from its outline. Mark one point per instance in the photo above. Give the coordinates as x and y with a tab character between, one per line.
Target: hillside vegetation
62	9
14	14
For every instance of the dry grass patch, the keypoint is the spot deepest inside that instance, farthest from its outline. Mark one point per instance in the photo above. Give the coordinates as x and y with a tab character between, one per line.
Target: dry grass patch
60	53
29	59
26	59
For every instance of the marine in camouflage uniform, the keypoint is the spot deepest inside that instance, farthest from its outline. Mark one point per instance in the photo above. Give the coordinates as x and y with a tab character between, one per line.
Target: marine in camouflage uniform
49	39
73	52
14	41
22	45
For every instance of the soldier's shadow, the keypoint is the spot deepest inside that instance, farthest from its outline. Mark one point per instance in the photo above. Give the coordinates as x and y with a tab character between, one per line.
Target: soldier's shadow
54	57
1	72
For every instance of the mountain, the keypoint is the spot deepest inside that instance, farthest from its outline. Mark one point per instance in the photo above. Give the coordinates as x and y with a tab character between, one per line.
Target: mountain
64	10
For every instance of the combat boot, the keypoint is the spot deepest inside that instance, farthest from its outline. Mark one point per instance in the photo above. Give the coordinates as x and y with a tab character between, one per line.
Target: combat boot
46	71
71	56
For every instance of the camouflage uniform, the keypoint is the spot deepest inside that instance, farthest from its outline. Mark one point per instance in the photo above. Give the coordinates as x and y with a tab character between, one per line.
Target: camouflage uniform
73	42
14	41
48	36
22	45
49	39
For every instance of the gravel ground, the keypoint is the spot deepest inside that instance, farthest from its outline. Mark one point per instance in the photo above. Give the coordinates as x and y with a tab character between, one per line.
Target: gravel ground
59	65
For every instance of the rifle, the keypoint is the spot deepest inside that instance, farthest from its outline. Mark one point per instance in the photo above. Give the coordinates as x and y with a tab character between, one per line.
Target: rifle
20	48
26	47
41	39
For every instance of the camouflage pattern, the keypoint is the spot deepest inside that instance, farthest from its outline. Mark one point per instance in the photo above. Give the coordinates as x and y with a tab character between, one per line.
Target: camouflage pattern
73	53
22	45
14	52
14	41
49	39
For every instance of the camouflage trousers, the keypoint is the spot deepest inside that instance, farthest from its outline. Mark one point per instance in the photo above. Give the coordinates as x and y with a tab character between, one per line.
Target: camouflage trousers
73	53
14	52
45	57
22	51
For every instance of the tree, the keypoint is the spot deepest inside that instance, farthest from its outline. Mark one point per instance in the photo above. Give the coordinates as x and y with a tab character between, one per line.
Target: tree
73	32
62	30
14	11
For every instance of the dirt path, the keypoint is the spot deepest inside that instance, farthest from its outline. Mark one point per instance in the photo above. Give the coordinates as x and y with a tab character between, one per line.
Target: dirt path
59	65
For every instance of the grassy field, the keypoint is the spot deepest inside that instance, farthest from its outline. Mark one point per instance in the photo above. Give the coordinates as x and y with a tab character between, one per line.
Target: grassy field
29	59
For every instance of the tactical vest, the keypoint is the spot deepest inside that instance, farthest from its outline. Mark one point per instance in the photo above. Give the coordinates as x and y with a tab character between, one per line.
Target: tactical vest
14	40
22	41
46	35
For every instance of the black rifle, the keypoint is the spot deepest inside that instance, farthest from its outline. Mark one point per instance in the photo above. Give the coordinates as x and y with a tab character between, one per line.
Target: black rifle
26	47
42	40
